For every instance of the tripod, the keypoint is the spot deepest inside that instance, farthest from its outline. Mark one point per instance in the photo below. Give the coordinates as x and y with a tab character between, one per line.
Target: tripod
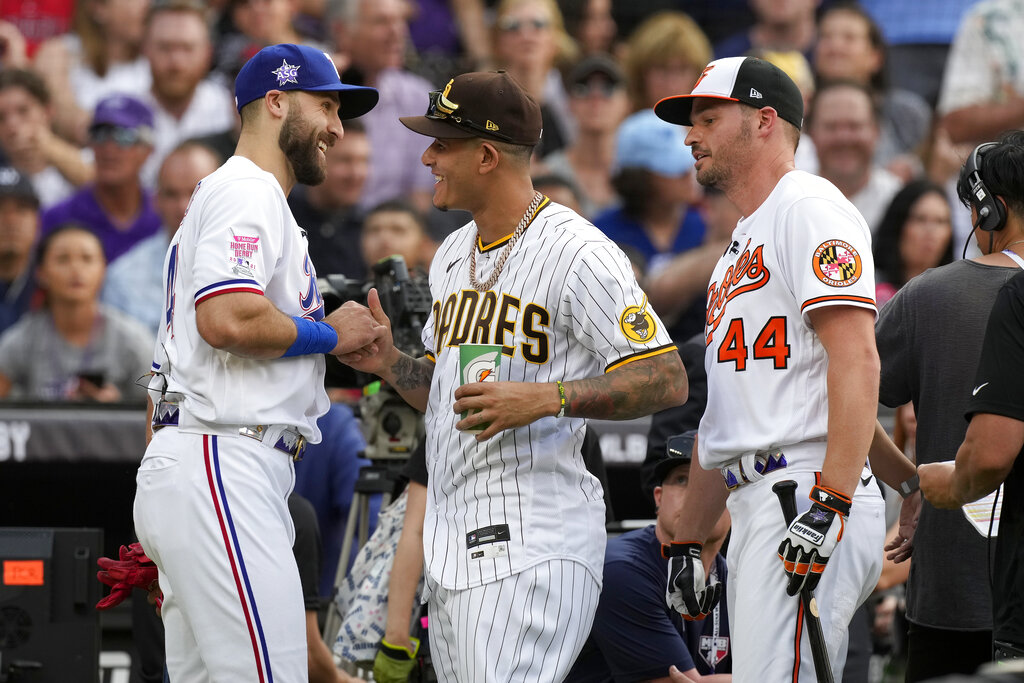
392	430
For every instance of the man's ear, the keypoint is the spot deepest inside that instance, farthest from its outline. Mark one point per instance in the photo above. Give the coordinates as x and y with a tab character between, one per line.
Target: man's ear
276	103
489	157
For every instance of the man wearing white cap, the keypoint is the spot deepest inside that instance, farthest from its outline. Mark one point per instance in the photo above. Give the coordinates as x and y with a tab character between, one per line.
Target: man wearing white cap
792	383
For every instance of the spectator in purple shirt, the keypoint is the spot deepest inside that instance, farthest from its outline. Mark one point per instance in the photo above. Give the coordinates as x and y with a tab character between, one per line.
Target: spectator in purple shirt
115	207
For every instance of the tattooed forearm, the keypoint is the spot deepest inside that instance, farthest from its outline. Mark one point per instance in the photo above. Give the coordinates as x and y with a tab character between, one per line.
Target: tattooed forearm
409	374
638	388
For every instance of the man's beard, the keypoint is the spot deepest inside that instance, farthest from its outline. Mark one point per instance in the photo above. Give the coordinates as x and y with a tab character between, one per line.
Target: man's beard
299	144
719	172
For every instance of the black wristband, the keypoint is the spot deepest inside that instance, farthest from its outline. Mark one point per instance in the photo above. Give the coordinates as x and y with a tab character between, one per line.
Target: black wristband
910	486
674	549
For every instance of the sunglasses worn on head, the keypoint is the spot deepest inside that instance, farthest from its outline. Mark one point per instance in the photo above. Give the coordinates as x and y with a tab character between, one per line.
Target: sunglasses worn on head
440	109
514	25
124	137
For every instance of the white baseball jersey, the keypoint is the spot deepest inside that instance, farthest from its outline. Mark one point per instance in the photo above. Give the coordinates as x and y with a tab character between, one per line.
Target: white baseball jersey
239	235
805	247
566	306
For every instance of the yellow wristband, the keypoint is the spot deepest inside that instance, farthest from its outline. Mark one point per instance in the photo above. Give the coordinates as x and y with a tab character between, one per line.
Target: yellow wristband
561	396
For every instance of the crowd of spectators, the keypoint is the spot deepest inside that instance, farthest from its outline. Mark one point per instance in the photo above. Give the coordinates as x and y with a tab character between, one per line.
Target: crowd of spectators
112	110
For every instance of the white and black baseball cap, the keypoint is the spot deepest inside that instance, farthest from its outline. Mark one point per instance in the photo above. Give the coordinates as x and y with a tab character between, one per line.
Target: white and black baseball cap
748	80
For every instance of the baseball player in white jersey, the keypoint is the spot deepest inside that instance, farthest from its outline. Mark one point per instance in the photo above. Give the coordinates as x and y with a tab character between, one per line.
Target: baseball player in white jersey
238	382
792	382
514	529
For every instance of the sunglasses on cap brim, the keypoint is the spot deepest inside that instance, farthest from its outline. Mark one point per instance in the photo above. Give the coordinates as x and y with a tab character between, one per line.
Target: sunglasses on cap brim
442	110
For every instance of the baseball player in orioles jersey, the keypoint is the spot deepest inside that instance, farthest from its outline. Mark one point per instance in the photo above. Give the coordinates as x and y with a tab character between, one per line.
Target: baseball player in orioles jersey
792	382
238	382
514	529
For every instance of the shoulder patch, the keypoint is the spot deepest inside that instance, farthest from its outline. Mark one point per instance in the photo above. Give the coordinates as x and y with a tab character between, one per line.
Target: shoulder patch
637	323
836	263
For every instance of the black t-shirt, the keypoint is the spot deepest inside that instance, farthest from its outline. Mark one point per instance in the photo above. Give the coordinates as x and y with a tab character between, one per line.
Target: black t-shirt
999	390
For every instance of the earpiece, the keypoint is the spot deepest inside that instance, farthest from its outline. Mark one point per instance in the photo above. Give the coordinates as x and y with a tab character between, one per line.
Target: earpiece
991	212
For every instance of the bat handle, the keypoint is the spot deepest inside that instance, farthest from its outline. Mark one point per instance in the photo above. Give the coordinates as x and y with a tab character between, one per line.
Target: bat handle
786	491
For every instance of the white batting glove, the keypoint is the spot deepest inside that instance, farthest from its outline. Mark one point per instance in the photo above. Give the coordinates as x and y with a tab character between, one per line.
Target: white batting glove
812	537
687	591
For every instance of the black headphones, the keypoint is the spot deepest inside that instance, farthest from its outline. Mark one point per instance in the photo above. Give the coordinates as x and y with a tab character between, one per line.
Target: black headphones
991	212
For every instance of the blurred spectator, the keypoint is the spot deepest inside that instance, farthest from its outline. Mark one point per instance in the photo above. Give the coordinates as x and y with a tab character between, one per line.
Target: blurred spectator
185	103
449	36
664	57
102	56
598	101
591	24
983	87
636	636
777	25
115	207
560	190
396	228
26	25
19	226
798	68
329	212
851	47
918	34
716	18
655	182
247	26
134	283
530	42
843	123
372	36
55	166
678	290
74	348
915	234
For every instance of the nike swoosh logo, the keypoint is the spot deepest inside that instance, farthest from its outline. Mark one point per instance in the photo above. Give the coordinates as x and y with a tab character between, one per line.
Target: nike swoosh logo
978	388
866	480
452	264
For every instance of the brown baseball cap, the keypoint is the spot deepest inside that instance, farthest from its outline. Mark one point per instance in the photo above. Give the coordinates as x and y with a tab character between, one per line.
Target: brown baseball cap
481	104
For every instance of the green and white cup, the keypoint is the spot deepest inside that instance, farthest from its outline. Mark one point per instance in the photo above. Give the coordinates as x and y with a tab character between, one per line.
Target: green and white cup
478	363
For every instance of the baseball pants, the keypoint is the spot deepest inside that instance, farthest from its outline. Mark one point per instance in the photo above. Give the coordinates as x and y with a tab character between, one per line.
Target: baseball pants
769	642
529	626
212	512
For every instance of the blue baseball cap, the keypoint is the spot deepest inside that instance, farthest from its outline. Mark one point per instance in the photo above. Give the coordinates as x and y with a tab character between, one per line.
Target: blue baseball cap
298	67
645	141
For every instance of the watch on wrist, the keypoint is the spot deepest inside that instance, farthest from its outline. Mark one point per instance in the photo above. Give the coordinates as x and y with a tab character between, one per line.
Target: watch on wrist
910	486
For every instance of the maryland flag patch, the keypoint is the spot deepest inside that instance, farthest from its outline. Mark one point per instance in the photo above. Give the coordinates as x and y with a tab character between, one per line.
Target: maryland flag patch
637	323
836	263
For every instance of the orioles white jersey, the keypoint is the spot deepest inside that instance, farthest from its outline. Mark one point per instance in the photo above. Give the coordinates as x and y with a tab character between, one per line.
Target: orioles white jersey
239	235
566	306
805	247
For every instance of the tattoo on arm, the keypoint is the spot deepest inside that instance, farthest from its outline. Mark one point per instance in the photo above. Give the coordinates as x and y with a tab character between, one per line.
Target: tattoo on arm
635	389
410	374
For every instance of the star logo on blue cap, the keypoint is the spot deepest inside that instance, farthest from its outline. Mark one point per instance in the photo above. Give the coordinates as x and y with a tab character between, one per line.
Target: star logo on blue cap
287	73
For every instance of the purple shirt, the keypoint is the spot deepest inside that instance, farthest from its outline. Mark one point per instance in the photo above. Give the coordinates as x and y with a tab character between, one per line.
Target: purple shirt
83	208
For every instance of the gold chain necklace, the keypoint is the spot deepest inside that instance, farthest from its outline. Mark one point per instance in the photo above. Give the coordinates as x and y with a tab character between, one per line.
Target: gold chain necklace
503	256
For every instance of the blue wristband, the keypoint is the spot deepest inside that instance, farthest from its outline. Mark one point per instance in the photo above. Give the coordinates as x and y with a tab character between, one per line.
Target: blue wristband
311	337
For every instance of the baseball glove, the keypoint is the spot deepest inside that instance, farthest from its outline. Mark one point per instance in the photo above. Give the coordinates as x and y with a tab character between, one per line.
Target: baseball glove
132	569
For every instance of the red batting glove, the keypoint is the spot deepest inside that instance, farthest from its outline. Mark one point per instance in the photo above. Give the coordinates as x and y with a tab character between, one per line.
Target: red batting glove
133	569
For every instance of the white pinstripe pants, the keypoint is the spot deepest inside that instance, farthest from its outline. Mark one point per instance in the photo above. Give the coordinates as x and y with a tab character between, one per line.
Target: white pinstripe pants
527	627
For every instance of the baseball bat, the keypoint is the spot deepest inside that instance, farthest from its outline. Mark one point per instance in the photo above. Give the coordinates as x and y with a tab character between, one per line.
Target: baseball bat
786	491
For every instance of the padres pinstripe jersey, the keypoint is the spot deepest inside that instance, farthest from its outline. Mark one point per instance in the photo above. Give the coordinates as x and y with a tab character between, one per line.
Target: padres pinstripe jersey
566	306
249	242
805	247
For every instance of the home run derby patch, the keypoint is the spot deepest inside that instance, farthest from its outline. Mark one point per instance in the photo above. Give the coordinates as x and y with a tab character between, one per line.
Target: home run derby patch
637	323
836	263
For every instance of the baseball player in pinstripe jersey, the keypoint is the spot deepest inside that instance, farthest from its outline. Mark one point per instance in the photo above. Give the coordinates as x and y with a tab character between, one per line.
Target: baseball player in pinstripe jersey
238	382
792	382
514	529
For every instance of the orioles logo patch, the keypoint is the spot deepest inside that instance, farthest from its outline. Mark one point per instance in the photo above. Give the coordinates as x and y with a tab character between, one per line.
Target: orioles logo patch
637	323
836	263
